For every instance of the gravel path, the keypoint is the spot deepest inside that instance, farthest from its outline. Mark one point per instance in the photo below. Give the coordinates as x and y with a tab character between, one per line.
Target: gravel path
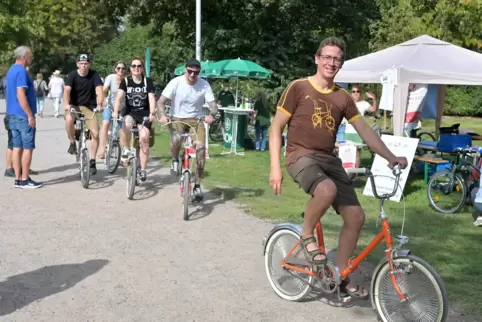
70	254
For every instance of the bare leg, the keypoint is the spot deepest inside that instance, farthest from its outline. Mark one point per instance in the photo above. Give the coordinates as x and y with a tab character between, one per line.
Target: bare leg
175	147
323	197
69	127
17	162
144	143
26	161
9	163
94	142
353	220
104	135
200	160
126	129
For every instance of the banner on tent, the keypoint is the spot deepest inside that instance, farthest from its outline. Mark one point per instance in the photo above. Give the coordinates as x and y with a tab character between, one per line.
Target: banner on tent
417	94
389	79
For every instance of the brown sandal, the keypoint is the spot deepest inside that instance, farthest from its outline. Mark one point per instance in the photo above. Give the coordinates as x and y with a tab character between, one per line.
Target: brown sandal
310	255
359	292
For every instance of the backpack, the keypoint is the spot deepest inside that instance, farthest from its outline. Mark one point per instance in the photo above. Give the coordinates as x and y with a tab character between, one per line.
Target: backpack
39	91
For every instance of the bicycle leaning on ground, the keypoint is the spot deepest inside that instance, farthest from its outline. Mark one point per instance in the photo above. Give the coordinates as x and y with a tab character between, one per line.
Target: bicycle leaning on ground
403	286
185	171
82	134
133	160
113	148
452	183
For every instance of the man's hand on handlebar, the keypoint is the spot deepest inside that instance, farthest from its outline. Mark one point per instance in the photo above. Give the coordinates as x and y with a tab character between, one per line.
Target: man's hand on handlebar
402	161
164	119
208	119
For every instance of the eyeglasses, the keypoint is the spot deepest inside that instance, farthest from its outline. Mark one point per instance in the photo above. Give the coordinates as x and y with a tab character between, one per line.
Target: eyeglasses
136	66
193	72
329	59
355	91
120	68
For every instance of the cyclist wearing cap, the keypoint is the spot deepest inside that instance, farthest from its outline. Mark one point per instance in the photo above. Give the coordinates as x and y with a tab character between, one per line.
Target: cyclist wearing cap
188	93
83	92
140	102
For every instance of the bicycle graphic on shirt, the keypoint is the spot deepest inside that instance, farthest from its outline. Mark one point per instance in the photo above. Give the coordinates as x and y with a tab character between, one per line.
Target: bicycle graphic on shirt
322	114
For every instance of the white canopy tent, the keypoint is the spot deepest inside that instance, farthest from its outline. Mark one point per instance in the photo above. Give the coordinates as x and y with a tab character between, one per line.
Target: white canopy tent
422	60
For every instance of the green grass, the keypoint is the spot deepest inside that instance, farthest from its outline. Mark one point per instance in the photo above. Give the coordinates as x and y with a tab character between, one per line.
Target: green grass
450	243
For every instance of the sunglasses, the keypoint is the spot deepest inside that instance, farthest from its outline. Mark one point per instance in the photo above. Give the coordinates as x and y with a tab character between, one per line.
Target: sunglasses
193	72
355	91
120	68
136	66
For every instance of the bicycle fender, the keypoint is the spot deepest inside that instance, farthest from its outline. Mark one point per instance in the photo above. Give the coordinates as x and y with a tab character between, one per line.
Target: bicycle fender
290	226
396	253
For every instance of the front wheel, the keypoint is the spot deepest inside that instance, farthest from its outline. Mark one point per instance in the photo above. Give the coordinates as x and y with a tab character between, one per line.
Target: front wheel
186	192
84	168
131	178
113	156
426	136
419	282
287	284
446	192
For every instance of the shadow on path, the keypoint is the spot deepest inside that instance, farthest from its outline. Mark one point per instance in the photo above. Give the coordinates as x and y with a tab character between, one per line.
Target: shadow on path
21	290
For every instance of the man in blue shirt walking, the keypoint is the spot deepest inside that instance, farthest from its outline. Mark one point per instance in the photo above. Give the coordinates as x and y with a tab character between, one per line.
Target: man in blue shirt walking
21	108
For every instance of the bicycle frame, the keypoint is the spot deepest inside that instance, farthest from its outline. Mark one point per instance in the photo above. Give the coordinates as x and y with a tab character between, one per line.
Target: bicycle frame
354	262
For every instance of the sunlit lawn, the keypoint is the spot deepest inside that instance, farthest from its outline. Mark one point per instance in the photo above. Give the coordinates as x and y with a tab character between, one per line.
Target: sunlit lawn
451	243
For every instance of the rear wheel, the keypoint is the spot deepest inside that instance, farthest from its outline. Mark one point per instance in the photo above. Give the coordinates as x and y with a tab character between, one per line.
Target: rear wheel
419	282
186	189
113	156
215	131
84	168
287	284
446	192
131	178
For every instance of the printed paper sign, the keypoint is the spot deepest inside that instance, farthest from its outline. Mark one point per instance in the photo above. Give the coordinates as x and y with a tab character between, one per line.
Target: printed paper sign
384	178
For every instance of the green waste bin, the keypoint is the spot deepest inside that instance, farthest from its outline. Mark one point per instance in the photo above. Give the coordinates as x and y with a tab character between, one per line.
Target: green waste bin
228	129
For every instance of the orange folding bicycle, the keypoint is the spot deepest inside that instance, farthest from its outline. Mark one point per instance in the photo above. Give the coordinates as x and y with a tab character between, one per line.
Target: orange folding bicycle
403	287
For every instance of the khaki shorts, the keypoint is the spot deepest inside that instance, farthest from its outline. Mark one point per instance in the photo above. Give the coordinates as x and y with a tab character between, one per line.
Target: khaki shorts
183	128
308	171
91	124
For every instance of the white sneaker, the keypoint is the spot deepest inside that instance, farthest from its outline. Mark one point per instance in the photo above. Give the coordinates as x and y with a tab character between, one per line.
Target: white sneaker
124	154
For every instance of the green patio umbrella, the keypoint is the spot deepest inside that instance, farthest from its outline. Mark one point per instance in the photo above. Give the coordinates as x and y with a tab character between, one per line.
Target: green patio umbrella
148	62
204	65
237	68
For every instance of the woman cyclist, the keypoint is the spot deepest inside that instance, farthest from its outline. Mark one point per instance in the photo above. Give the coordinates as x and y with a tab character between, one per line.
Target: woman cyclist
140	102
111	85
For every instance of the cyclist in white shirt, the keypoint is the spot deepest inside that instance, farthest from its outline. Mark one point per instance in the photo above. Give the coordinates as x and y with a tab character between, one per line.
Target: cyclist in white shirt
188	93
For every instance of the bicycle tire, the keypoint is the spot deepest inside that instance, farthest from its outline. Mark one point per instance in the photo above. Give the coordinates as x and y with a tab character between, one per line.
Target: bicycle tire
270	263
383	291
215	132
186	182
131	178
111	164
432	137
459	180
84	168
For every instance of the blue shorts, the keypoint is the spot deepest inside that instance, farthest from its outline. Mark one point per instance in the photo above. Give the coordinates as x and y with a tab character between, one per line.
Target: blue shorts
107	116
23	136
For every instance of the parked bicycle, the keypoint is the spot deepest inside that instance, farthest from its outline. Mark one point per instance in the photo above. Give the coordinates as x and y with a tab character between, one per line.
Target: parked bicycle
216	129
133	167
82	134
185	171
403	288
447	189
113	148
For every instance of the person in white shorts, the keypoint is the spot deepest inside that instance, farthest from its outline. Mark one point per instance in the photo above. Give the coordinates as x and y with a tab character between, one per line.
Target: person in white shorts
188	93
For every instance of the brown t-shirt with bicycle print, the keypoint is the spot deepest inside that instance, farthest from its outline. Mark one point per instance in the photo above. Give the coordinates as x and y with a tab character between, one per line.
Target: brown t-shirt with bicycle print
315	116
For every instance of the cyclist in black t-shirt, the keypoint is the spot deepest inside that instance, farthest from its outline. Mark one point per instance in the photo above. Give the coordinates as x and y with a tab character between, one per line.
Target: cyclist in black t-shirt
140	102
83	92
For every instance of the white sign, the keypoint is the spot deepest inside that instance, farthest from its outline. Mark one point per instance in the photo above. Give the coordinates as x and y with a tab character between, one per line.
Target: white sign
384	178
347	154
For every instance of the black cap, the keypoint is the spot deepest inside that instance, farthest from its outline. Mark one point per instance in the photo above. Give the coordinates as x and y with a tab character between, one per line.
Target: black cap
193	63
83	57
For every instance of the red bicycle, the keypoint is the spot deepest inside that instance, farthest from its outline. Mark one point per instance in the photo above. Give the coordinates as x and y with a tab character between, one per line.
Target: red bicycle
185	171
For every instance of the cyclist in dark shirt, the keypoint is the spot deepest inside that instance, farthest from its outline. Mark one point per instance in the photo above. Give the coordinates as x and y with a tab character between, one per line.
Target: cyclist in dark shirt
83	92
138	93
